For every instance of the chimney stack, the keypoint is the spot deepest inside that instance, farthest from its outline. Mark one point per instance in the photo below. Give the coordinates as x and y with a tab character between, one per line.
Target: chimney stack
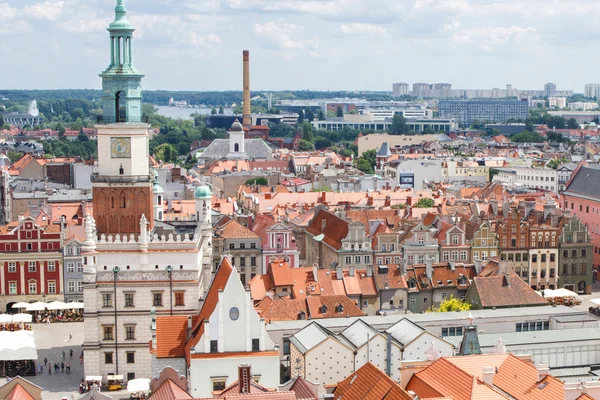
246	119
244	378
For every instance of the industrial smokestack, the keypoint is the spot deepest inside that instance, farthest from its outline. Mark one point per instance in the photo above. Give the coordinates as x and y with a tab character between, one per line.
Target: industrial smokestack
247	119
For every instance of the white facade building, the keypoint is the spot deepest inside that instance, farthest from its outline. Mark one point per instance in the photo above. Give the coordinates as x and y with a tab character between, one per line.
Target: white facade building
230	333
400	89
531	178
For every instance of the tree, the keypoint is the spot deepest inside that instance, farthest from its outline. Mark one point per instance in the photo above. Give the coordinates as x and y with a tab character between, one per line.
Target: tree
529	125
165	152
527	137
82	137
309	115
321	116
305	145
221	110
399	126
213	111
425	202
300	117
572	123
1	121
364	166
257	181
307	133
61	131
322	143
77	113
451	304
339	112
13	156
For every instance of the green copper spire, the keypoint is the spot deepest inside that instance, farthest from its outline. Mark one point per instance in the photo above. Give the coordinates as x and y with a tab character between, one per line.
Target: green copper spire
120	22
121	81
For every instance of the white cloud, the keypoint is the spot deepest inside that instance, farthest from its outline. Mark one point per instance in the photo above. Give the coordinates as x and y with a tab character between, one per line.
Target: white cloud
208	40
488	39
277	35
361	29
46	10
7	12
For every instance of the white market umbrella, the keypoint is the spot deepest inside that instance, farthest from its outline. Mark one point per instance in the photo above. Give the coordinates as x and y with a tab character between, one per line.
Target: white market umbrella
5	318
37	306
76	305
18	318
138	385
21	304
595	301
57	305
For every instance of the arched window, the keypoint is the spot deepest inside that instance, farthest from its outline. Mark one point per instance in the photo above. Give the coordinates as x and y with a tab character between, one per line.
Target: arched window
339	308
159	200
160	214
323	309
236	147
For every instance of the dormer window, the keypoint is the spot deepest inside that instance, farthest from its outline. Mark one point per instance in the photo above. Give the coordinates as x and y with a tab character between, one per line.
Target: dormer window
412	284
301	315
323	309
339	308
454	239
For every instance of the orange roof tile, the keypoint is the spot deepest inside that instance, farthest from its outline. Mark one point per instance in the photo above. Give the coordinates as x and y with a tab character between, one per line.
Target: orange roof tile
169	390
349	309
280	272
234	230
370	383
19	393
171	335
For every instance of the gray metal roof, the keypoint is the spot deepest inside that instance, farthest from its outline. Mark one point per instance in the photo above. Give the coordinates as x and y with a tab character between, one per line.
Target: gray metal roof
255	148
384	150
585	183
535	337
405	331
358	332
309	337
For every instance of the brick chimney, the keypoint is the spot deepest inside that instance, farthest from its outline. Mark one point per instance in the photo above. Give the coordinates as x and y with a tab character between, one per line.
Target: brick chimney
244	378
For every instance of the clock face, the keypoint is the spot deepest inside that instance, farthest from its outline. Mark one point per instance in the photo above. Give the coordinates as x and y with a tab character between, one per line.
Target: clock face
234	313
120	147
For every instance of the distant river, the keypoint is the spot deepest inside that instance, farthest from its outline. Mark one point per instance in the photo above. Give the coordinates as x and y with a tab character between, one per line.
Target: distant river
181	113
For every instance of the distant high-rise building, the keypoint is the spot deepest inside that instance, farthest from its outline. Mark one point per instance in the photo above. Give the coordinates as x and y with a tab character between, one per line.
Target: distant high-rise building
421	89
470	111
400	89
592	90
549	89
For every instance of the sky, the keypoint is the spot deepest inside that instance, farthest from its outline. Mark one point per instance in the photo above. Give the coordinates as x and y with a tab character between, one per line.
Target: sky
306	44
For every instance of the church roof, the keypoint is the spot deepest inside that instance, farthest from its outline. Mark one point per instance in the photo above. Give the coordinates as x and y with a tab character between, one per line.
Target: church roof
236	127
202	192
121	23
255	148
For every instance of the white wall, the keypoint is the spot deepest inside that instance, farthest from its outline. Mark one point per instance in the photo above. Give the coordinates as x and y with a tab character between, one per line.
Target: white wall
137	164
415	350
329	362
377	355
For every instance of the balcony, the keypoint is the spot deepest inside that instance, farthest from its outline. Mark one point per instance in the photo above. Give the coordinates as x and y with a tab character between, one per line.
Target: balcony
95	178
102	120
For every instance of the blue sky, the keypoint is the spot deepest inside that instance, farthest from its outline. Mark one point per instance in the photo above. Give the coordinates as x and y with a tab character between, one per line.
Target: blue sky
307	44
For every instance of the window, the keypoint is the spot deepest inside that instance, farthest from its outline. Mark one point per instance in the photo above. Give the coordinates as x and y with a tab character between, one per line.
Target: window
574	269
534	258
413	301
383	247
421	240
29	246
286	346
565	253
242	245
51	266
32	266
583	269
179	298
108	358
574	253
157	299
214	346
80	286
454	255
252	245
70	267
552	257
425	300
463	255
32	287
79	267
243	279
51	286
242	261
108	333
231	246
544	258
255	345
513	243
583	253
357	259
12	287
253	261
12	266
454	239
69	251
218	385
130	332
388	260
348	259
446	256
475	255
367	259
128	299
71	286
106	300
379	260
444	295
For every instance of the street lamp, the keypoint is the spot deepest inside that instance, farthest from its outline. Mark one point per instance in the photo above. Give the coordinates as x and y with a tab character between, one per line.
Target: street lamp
169	270
116	330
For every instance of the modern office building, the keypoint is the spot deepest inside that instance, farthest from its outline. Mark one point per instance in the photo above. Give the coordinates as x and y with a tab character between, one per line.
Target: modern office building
467	112
417	125
549	89
399	89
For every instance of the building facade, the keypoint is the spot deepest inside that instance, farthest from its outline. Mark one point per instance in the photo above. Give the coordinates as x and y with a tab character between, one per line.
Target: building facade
73	267
32	264
575	257
466	112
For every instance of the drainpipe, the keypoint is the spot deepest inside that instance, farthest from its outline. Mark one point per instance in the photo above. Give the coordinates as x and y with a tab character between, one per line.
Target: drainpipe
388	368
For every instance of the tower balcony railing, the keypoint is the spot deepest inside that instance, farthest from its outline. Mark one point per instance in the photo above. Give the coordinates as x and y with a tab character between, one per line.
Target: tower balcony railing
104	120
96	178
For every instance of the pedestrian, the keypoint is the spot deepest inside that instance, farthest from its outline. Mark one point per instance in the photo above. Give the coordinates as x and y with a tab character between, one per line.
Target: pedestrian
40	368
81	358
45	360
71	353
62	366
49	370
56	367
70	337
68	368
63	355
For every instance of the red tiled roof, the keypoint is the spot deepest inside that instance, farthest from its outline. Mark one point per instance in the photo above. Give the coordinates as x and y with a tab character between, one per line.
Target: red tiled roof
506	291
280	272
234	230
171	335
331	302
334	230
168	390
303	390
19	393
369	383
